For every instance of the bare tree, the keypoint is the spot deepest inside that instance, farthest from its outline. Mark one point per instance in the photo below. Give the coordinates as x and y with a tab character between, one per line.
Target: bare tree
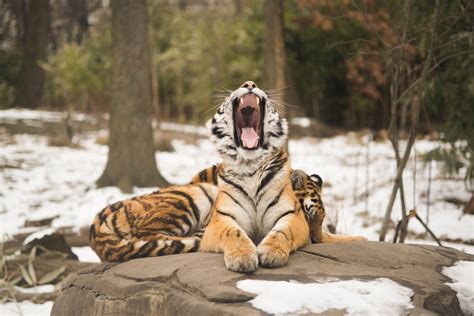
131	160
34	51
274	45
412	93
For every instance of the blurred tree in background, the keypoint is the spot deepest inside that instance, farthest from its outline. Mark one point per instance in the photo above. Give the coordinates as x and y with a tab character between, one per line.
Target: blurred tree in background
337	67
34	48
131	160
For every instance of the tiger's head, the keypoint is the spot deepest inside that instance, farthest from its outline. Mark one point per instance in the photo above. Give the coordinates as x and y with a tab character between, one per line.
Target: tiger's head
247	126
307	189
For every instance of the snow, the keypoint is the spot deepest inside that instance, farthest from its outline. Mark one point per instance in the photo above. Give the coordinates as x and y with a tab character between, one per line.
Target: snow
85	254
26	308
185	128
47	288
462	275
46	116
301	121
38	235
378	297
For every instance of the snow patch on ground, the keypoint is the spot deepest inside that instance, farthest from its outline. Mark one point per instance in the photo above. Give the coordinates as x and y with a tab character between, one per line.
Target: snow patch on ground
38	235
378	297
46	116
26	308
189	129
85	254
462	275
47	288
301	121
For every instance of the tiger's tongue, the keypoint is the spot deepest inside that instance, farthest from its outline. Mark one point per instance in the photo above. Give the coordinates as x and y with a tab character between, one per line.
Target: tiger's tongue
249	137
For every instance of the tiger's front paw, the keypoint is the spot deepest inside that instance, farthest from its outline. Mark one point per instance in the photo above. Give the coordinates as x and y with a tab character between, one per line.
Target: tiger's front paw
242	260
271	256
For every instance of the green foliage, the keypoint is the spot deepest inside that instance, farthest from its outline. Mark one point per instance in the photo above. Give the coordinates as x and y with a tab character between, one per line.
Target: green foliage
9	61
80	74
449	100
197	53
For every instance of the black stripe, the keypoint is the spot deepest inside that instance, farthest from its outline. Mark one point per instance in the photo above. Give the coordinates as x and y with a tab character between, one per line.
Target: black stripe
218	132
178	246
283	215
162	251
238	187
214	174
273	202
233	199
283	233
275	166
168	221
117	205
154	232
196	245
211	201
190	200
183	217
146	249
116	228
102	217
130	218
92	233
225	214
203	175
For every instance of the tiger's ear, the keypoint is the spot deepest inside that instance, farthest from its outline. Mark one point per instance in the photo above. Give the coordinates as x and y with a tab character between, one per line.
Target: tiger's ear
317	179
298	179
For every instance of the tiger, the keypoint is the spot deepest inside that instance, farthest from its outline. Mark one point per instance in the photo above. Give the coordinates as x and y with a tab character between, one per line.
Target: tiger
256	218
170	220
308	190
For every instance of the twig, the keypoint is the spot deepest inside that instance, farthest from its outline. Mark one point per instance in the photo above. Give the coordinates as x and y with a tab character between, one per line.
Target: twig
426	227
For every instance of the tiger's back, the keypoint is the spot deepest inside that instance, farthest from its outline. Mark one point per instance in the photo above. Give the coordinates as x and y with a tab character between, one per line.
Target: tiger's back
164	222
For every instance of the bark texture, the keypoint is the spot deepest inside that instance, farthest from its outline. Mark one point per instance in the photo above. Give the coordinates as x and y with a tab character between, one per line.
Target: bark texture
34	51
131	159
274	45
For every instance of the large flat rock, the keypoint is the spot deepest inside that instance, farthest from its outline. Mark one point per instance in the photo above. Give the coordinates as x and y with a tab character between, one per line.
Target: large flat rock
198	283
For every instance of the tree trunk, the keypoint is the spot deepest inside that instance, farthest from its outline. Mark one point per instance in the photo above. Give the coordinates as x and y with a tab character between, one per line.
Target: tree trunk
274	47
131	159
31	76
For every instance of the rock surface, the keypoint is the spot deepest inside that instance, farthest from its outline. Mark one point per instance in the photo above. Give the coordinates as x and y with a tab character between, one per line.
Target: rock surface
198	283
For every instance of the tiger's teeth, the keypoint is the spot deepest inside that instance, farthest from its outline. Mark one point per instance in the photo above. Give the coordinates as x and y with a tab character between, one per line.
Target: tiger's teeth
241	100
258	100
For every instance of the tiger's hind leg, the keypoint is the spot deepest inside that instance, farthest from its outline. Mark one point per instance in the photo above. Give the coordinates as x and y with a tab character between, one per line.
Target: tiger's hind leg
328	238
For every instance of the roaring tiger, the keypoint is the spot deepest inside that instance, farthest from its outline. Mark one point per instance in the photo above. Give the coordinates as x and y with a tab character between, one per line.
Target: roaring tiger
256	218
171	220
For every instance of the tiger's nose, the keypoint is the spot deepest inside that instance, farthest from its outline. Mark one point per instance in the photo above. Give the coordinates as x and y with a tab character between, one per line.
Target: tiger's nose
249	85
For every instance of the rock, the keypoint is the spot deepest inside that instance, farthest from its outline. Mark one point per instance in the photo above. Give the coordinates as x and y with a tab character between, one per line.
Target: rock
53	242
198	283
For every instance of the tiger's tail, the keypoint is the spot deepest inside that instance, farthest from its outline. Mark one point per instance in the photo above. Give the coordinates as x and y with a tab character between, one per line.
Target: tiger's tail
113	248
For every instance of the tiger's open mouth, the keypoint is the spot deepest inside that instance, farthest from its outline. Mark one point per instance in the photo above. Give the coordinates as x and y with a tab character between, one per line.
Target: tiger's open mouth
248	121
